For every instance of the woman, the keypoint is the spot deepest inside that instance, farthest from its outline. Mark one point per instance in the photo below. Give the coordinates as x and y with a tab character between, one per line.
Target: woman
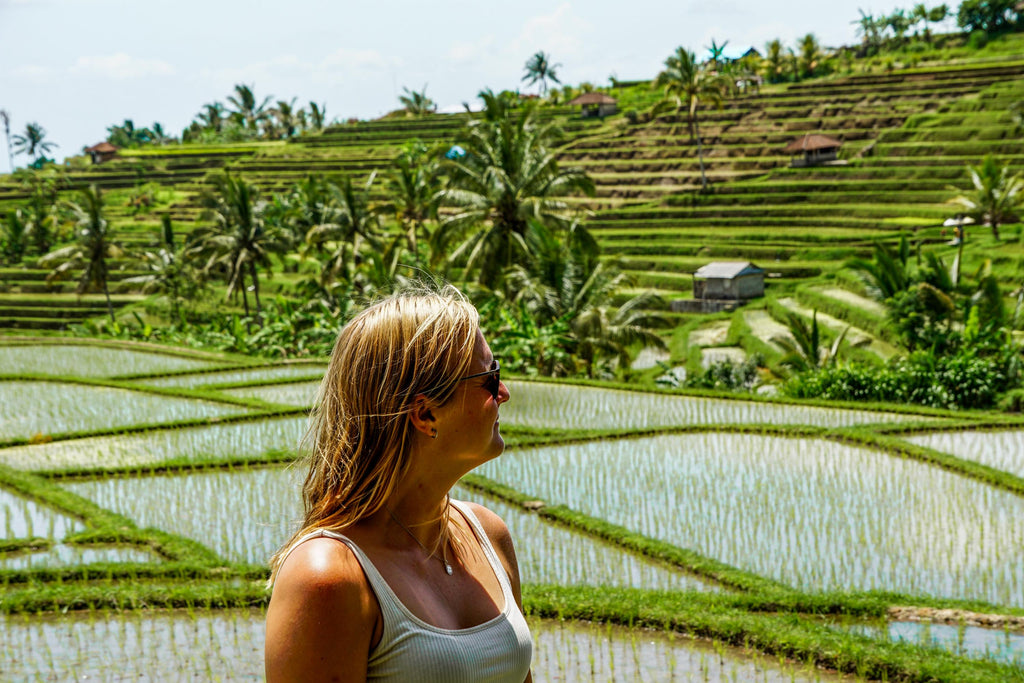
389	579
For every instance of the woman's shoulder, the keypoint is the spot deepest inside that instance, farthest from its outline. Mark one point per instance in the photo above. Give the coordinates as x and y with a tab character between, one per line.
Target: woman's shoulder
493	525
323	568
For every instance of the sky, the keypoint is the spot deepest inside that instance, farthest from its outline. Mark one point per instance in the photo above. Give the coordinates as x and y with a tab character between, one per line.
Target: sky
78	66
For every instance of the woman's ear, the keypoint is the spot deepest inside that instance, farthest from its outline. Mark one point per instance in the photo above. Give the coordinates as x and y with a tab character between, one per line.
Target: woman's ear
420	415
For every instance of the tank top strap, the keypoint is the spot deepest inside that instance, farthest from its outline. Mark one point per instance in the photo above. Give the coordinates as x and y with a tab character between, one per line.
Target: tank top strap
489	552
391	608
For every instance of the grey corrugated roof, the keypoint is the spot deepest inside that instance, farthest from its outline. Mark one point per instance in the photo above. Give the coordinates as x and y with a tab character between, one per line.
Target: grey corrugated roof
727	269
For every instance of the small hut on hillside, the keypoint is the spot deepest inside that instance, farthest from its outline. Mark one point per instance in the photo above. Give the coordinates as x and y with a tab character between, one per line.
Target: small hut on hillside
728	280
104	151
813	149
596	104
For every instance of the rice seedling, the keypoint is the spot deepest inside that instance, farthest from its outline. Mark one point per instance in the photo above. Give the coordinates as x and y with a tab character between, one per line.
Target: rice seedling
220	441
84	360
1003	450
815	514
297	394
228	645
247	514
999	645
25	518
52	407
536	404
63	555
253	375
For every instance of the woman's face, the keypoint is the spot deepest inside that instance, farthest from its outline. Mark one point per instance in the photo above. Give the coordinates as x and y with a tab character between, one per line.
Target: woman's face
468	422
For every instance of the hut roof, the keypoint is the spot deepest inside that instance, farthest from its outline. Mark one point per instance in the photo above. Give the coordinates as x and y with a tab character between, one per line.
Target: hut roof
727	270
812	141
101	147
593	98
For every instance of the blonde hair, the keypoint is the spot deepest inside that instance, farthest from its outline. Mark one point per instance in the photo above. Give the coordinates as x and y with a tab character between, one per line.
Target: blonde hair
414	342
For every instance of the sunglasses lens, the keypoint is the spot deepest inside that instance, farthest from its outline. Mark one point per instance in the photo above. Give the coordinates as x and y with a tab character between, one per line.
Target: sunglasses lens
494	383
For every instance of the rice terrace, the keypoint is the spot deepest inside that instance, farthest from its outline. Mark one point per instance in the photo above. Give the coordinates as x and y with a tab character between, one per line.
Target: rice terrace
760	319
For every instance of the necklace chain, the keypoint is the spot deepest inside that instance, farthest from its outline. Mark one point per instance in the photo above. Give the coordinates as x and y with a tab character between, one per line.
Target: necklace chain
444	561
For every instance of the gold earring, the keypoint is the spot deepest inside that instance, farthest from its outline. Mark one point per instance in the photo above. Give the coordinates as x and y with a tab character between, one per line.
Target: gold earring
433	433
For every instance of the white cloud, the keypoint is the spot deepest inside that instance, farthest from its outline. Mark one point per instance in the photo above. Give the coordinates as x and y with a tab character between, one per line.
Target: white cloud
121	66
359	60
471	52
560	34
33	72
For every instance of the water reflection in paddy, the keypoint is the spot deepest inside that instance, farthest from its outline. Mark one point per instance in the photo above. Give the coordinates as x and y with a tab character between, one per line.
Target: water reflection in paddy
228	645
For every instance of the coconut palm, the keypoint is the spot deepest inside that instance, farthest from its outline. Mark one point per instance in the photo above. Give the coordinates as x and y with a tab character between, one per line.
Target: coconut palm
350	222
417	103
995	195
802	347
870	31
168	272
539	68
33	143
287	117
716	51
569	291
317	116
774	61
810	55
239	243
5	118
211	117
888	273
412	188
508	178
91	249
686	85
13	237
250	114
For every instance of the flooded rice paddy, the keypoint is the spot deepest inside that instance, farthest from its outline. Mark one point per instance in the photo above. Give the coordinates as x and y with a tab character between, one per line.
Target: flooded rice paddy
221	441
53	408
254	375
1002	450
227	645
83	360
540	404
813	514
247	515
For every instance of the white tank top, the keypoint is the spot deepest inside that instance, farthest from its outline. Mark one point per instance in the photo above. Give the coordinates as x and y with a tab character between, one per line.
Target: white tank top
412	651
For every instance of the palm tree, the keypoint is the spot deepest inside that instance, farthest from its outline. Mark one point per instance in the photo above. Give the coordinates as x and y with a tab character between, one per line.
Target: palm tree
247	111
810	55
317	116
870	31
508	178
211	117
13	237
803	347
6	119
417	103
995	195
888	274
33	143
774	61
539	68
349	223
716	51
568	290
239	242
899	23
91	250
686	85
287	117
412	189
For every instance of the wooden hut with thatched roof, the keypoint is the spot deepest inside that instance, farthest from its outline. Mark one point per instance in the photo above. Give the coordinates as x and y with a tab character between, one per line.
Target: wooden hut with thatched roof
813	149
596	104
104	151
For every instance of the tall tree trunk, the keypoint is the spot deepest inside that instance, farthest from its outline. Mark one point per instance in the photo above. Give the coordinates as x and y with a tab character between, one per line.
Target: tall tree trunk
106	293
256	292
700	158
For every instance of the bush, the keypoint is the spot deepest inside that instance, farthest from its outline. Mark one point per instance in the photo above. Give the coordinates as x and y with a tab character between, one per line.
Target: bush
963	380
977	40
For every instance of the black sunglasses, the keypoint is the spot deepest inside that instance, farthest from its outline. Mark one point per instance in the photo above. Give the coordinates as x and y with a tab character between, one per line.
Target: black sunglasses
493	382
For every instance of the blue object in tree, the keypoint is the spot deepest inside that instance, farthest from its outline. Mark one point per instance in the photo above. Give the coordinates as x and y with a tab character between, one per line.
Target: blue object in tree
456	152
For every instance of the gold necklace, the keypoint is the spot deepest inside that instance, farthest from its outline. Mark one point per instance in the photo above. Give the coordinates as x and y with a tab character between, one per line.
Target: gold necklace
447	567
